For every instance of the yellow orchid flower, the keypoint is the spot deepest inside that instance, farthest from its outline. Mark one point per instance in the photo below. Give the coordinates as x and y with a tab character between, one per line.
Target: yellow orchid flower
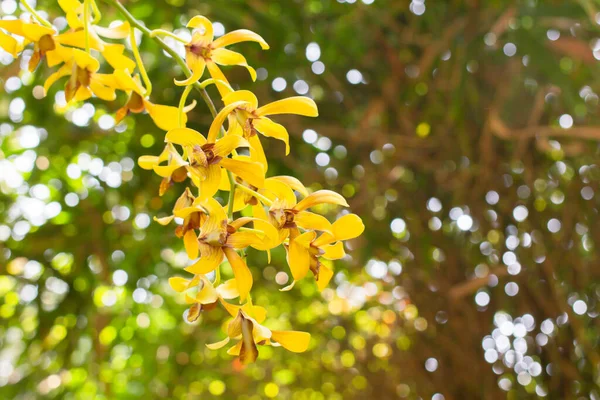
165	117
173	171
248	118
305	250
286	213
84	78
202	295
193	215
43	38
112	52
203	51
217	240
206	156
247	329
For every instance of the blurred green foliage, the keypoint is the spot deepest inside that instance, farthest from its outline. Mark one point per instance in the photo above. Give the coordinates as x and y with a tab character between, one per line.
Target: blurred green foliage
463	132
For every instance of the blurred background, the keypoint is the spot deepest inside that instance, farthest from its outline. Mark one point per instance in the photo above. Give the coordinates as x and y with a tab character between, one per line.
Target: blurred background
464	133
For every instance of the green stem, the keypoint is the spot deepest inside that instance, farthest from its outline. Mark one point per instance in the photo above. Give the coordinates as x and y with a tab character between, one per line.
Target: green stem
35	14
97	14
86	24
140	64
182	101
162	32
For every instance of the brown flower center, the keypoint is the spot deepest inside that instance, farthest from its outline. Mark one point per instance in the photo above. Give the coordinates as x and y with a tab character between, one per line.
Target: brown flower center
46	43
200	50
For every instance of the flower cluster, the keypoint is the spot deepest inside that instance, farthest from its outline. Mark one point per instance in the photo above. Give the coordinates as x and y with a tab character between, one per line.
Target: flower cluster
262	212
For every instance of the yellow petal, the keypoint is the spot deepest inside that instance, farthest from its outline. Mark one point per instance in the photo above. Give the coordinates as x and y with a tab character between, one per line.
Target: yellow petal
278	190
235	350
298	259
217	218
229	57
85	60
101	91
186	211
258	313
225	145
241	95
76	38
272	129
321	197
208	294
293	341
243	239
165	117
324	276
305	239
292	182
196	65
259	332
300	105
270	238
251	172
84	93
257	153
190	242
288	287
224	184
217	74
234	328
72	8
248	351
240	35
59	55
30	31
194	311
218	345
228	290
243	276
200	21
232	309
217	123
210	185
210	258
348	227
113	54
62	71
179	284
9	44
334	251
120	31
164	220
310	221
325	239
124	81
185	137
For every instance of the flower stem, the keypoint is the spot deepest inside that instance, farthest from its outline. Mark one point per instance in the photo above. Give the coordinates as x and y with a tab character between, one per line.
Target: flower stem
140	64
156	32
86	23
36	15
182	101
96	11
